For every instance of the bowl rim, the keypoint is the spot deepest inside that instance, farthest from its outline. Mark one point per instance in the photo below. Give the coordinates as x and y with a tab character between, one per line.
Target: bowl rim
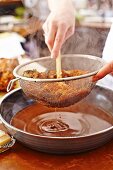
5	123
15	71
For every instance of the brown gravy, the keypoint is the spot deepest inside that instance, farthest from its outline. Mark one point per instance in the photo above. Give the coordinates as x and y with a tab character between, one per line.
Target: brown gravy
77	120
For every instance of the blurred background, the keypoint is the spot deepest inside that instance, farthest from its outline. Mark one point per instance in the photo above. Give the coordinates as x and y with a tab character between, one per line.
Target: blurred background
21	34
93	21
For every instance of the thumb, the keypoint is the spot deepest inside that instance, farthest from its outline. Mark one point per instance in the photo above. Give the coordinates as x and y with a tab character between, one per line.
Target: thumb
107	69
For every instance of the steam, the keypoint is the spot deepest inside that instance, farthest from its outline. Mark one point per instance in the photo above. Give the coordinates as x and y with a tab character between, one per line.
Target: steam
86	41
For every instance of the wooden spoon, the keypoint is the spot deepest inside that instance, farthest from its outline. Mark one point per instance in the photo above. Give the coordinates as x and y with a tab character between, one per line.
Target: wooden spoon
58	66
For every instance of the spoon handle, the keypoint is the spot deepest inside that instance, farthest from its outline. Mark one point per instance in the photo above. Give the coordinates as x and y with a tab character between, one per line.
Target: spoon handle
58	66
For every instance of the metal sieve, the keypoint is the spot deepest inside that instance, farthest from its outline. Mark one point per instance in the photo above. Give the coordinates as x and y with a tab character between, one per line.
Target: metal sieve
60	92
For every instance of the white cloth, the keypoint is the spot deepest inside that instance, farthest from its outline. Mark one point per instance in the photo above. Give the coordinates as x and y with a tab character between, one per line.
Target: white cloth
30	3
108	56
108	48
10	45
106	82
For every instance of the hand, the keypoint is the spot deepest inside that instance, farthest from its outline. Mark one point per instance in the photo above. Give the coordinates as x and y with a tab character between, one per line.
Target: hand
107	69
59	26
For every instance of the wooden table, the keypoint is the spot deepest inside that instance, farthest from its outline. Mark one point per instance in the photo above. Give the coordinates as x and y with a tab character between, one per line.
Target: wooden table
21	158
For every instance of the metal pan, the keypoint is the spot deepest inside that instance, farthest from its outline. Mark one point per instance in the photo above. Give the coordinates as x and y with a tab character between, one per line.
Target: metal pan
16	100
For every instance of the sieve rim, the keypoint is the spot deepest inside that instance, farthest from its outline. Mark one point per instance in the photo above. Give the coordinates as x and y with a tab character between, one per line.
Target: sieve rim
15	71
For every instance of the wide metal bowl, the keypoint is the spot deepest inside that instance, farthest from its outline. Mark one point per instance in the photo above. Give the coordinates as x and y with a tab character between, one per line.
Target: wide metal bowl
16	101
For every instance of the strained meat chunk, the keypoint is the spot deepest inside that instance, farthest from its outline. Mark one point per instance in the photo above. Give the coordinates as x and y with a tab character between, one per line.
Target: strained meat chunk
51	74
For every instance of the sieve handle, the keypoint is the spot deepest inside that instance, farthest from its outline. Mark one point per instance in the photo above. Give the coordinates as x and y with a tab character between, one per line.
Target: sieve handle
10	84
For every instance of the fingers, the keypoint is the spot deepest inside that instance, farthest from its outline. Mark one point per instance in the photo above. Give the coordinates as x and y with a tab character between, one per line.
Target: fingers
56	33
50	34
59	39
108	68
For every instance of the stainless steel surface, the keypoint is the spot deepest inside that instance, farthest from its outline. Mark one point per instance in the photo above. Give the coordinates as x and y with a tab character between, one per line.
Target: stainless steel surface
16	101
69	90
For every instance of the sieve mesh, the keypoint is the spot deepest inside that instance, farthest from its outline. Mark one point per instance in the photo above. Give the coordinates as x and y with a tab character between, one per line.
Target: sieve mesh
60	92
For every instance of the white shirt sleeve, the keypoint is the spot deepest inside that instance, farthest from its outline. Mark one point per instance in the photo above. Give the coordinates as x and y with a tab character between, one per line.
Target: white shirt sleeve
108	48
38	8
30	3
108	56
